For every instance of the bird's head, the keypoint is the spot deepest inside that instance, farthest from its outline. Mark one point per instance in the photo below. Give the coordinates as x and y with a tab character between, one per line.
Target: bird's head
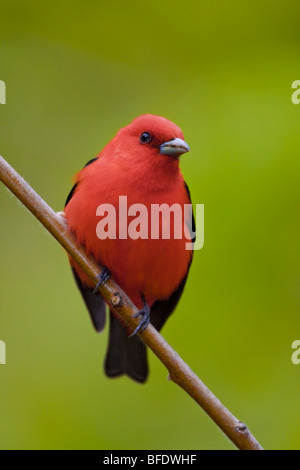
150	137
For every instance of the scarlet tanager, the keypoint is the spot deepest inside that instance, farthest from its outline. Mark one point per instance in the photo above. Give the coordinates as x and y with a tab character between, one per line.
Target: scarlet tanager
142	163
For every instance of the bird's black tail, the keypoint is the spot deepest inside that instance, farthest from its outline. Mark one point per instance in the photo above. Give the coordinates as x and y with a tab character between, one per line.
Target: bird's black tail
125	355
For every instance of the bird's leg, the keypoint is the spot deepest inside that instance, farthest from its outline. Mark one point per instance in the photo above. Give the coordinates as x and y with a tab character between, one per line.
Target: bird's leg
145	314
102	278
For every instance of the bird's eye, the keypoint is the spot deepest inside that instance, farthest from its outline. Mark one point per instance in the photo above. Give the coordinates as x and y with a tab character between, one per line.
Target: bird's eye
145	137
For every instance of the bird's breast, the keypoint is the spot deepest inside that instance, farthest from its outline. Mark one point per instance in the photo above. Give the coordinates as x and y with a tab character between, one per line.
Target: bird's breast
140	236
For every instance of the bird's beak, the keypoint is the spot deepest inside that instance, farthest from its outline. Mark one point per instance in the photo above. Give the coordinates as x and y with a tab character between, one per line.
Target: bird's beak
174	147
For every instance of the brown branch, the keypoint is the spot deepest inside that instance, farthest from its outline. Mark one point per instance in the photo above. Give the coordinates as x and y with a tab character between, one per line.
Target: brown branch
180	373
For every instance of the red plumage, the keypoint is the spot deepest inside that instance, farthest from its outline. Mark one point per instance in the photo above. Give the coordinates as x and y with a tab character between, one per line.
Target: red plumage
147	173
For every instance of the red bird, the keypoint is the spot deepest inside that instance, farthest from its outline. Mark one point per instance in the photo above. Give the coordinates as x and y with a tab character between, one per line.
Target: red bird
142	163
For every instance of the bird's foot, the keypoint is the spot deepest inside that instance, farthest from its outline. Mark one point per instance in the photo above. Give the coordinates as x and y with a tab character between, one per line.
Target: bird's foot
102	278
145	314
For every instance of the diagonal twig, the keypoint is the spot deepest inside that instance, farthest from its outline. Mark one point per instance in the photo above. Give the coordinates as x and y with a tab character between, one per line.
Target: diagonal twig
179	371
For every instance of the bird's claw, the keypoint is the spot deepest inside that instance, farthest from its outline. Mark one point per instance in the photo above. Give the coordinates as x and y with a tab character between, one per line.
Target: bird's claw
102	278
145	314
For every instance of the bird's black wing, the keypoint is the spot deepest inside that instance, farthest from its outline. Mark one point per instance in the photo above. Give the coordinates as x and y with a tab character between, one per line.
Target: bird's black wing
71	194
94	302
162	309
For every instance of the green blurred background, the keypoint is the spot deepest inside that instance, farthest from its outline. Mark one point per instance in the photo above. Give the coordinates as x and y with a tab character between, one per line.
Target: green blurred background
75	73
